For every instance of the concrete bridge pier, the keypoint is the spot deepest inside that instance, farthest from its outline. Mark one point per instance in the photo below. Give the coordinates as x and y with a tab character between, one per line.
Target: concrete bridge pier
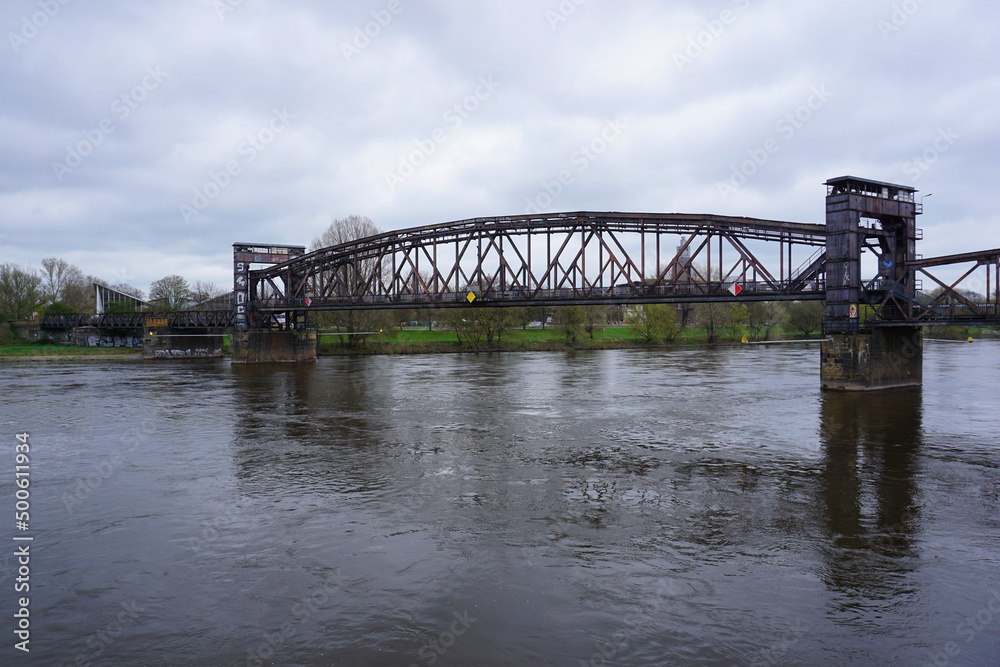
164	343
256	346
882	358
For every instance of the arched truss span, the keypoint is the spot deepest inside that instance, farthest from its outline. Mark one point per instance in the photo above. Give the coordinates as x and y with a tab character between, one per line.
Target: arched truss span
559	258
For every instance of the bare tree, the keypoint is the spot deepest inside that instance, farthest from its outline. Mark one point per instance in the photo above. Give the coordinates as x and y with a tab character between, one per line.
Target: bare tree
125	288
345	230
483	324
78	295
170	293
710	316
495	323
463	322
522	316
593	317
59	277
355	326
203	291
21	291
762	316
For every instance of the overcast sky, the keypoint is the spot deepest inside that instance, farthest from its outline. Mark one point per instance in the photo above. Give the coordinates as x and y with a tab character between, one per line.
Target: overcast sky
141	139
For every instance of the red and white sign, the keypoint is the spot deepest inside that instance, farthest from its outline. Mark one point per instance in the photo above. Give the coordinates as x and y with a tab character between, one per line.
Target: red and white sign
735	289
309	301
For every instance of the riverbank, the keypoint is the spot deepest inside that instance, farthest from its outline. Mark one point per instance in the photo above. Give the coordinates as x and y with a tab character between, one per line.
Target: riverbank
34	352
424	341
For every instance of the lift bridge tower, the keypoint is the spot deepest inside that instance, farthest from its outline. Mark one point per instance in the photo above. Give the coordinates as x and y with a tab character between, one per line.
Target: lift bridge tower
858	355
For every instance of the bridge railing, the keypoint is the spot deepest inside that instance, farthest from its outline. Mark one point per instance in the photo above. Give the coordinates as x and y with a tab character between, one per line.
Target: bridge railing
687	291
956	312
183	319
946	314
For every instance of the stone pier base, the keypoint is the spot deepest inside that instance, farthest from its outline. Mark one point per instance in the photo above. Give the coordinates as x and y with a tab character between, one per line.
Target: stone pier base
881	359
181	346
261	347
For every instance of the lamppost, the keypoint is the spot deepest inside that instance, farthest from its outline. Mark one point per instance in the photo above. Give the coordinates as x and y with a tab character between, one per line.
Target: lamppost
922	198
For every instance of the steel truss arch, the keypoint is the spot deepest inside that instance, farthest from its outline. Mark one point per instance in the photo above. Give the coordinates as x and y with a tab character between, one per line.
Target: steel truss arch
558	258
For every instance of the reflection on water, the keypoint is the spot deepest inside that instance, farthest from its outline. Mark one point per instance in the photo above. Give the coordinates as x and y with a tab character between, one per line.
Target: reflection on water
623	507
871	443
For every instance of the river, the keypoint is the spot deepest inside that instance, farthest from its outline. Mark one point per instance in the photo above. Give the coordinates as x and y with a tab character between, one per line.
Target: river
620	507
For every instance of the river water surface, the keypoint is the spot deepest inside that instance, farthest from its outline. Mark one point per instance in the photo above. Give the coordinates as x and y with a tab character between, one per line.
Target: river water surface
680	507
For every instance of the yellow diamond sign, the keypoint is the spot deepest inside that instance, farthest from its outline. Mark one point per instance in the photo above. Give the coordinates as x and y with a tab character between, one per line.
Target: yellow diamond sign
471	297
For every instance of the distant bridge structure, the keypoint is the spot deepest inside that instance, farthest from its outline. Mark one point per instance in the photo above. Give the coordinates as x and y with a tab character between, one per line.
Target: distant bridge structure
591	258
872	321
181	319
557	259
862	262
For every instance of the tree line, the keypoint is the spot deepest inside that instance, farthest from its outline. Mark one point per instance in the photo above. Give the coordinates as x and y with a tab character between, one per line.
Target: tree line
650	323
62	288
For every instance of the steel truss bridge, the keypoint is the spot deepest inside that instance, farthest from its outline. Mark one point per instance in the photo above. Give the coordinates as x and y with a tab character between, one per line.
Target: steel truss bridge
559	259
186	319
952	306
615	258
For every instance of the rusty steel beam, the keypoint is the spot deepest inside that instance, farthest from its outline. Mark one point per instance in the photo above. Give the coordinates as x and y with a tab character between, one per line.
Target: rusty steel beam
950	307
492	258
672	223
981	256
185	319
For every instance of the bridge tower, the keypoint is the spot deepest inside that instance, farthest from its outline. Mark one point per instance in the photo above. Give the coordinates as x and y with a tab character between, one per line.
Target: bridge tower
265	337
859	354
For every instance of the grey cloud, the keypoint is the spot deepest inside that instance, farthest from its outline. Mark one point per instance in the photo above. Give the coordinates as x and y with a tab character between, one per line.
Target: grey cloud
694	114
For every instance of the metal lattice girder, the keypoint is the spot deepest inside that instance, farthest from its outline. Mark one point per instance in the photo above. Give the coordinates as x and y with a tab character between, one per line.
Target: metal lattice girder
951	306
185	319
553	258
